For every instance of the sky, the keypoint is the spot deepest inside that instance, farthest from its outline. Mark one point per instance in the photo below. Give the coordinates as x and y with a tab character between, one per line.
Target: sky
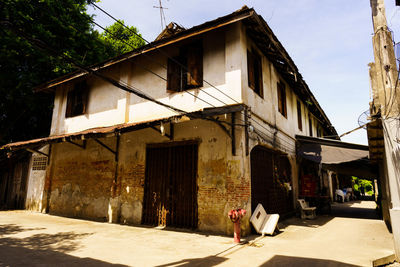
329	41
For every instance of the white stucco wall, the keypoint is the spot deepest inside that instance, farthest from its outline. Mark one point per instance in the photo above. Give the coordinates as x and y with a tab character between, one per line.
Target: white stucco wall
225	82
108	105
266	107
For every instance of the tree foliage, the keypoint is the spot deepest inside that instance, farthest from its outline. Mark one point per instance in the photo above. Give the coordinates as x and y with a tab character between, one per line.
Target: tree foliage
122	39
60	24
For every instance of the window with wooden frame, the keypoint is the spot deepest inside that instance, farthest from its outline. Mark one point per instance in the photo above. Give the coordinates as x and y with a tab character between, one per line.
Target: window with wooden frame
282	99
299	120
186	70
77	100
254	72
310	124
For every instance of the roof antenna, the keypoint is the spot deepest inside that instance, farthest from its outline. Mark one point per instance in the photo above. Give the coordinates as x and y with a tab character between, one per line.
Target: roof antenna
162	15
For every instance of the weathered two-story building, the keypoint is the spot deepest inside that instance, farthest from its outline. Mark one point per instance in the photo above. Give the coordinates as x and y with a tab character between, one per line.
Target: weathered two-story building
178	132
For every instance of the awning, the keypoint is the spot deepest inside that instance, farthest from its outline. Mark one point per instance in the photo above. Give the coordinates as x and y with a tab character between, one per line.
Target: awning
328	154
345	158
109	131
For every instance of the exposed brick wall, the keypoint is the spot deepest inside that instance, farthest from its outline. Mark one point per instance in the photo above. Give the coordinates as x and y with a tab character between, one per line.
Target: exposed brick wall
81	184
132	177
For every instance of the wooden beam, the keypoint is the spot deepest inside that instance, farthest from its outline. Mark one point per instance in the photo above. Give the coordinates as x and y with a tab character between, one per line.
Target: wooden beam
36	151
83	146
105	146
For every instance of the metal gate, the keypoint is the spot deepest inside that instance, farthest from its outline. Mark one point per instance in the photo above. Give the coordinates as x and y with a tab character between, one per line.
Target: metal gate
170	197
271	181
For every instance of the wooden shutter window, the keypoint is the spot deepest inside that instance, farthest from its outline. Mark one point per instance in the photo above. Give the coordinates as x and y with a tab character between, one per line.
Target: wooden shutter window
77	100
299	121
254	72
282	99
194	57
174	75
259	79
186	71
250	70
310	125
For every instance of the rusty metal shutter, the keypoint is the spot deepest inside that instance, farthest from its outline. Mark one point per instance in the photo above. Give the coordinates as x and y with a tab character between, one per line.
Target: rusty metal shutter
170	197
269	173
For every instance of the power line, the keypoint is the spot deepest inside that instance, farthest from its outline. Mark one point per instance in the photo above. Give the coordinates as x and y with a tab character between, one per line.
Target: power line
158	63
42	45
168	56
160	50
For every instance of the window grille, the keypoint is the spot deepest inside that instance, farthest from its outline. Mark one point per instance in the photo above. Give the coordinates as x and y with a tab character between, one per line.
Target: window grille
39	163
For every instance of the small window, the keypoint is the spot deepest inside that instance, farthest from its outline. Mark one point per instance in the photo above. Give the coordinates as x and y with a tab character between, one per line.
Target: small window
254	70
77	100
186	70
282	99
310	124
299	120
39	163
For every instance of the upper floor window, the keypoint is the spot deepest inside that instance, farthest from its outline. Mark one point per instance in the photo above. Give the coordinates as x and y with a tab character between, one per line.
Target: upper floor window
310	124
77	100
282	99
254	70
299	121
186	70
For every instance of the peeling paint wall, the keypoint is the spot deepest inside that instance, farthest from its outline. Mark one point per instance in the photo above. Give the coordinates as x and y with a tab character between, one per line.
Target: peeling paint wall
82	179
80	182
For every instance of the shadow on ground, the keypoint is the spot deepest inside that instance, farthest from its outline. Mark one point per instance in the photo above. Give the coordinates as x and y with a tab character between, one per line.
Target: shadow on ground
206	261
9	229
345	210
317	222
281	260
42	249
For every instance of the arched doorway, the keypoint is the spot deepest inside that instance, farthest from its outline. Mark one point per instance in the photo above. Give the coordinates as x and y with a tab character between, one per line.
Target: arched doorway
271	181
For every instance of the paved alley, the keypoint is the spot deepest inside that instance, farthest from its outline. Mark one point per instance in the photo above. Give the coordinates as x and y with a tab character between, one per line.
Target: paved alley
34	239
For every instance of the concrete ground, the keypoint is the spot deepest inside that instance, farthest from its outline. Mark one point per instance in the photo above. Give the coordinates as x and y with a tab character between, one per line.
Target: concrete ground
34	239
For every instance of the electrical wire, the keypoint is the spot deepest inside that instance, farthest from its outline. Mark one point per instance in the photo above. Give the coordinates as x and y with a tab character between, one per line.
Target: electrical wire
168	56
141	94
160	50
158	63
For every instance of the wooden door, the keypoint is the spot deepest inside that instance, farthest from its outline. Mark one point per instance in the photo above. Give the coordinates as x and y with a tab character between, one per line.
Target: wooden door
170	197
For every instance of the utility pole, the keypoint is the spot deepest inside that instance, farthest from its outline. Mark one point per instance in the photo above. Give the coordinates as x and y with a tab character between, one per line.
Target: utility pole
385	109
